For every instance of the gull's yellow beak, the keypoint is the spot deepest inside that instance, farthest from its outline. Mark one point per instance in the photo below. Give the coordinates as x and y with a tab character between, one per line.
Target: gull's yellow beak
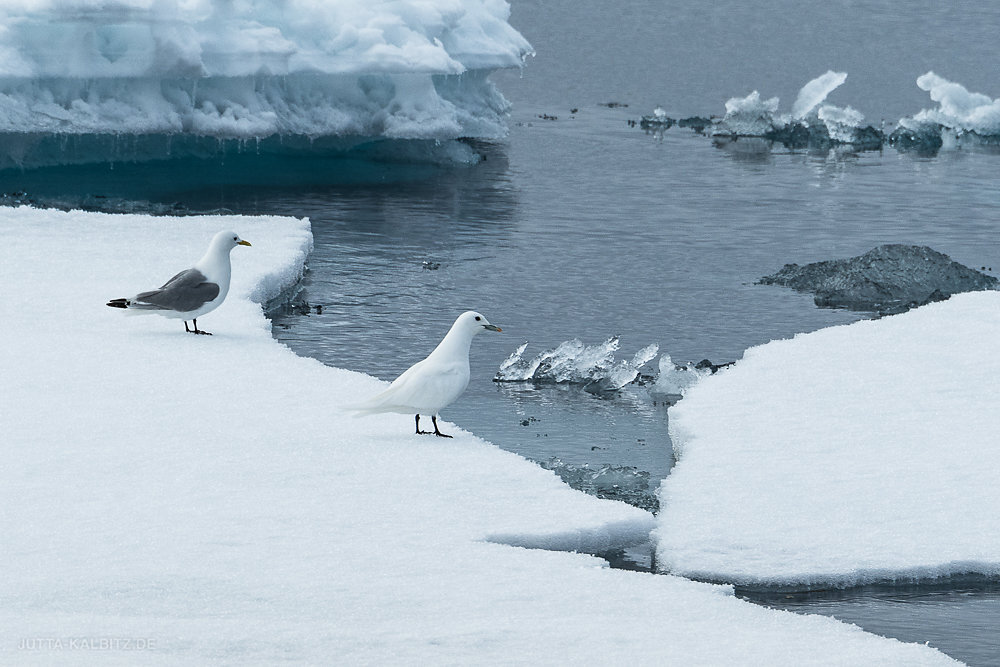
243	242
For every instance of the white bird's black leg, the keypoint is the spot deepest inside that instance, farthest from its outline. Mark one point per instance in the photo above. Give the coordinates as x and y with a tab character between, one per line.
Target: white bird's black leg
197	330
416	418
186	327
434	420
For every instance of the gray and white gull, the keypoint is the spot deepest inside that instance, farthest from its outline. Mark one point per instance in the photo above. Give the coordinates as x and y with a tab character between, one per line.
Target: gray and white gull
434	383
192	292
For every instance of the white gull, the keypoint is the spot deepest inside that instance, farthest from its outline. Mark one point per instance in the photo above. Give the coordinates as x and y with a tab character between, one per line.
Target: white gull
434	383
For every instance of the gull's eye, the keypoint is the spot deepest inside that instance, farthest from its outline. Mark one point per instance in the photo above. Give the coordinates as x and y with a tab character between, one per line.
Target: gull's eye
478	319
236	238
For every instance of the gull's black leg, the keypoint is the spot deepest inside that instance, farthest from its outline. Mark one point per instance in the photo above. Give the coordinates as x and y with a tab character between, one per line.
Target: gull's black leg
416	418
434	420
186	327
196	329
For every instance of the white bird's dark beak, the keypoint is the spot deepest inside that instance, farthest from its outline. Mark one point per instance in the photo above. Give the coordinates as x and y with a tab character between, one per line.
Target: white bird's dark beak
243	242
490	327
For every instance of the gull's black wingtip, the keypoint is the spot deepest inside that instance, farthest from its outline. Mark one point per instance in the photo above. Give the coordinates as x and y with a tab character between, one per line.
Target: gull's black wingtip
118	303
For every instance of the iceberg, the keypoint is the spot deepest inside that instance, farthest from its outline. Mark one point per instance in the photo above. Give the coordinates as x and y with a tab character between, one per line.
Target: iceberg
201	72
210	497
571	362
857	454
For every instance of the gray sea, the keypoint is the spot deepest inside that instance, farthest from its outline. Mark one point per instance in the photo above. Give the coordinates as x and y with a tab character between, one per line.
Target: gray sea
580	225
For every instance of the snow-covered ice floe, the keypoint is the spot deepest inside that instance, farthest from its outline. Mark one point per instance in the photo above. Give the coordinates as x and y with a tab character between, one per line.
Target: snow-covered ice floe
76	76
855	454
208	496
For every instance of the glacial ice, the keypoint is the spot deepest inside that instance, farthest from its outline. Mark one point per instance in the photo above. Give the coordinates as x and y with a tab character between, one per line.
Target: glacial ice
306	68
572	362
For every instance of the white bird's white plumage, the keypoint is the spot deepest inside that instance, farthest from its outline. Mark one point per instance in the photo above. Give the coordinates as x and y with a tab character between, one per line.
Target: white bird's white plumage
192	292
432	384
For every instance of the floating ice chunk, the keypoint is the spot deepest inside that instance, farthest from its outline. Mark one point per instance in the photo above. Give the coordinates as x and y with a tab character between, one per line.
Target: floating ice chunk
814	93
750	116
624	372
811	124
572	362
957	102
674	380
625	483
841	123
962	117
751	104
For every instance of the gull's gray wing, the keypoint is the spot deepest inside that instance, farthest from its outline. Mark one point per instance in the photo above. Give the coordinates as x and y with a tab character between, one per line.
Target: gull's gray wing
188	290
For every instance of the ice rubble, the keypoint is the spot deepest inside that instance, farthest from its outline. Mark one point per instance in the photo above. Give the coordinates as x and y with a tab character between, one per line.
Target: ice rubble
889	279
811	123
855	454
209	494
594	367
411	69
961	118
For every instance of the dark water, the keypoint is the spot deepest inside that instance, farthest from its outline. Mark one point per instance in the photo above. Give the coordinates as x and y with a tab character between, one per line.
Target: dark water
584	227
928	613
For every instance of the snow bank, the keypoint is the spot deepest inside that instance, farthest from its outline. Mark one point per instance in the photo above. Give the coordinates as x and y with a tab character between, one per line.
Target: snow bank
207	496
410	69
854	454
